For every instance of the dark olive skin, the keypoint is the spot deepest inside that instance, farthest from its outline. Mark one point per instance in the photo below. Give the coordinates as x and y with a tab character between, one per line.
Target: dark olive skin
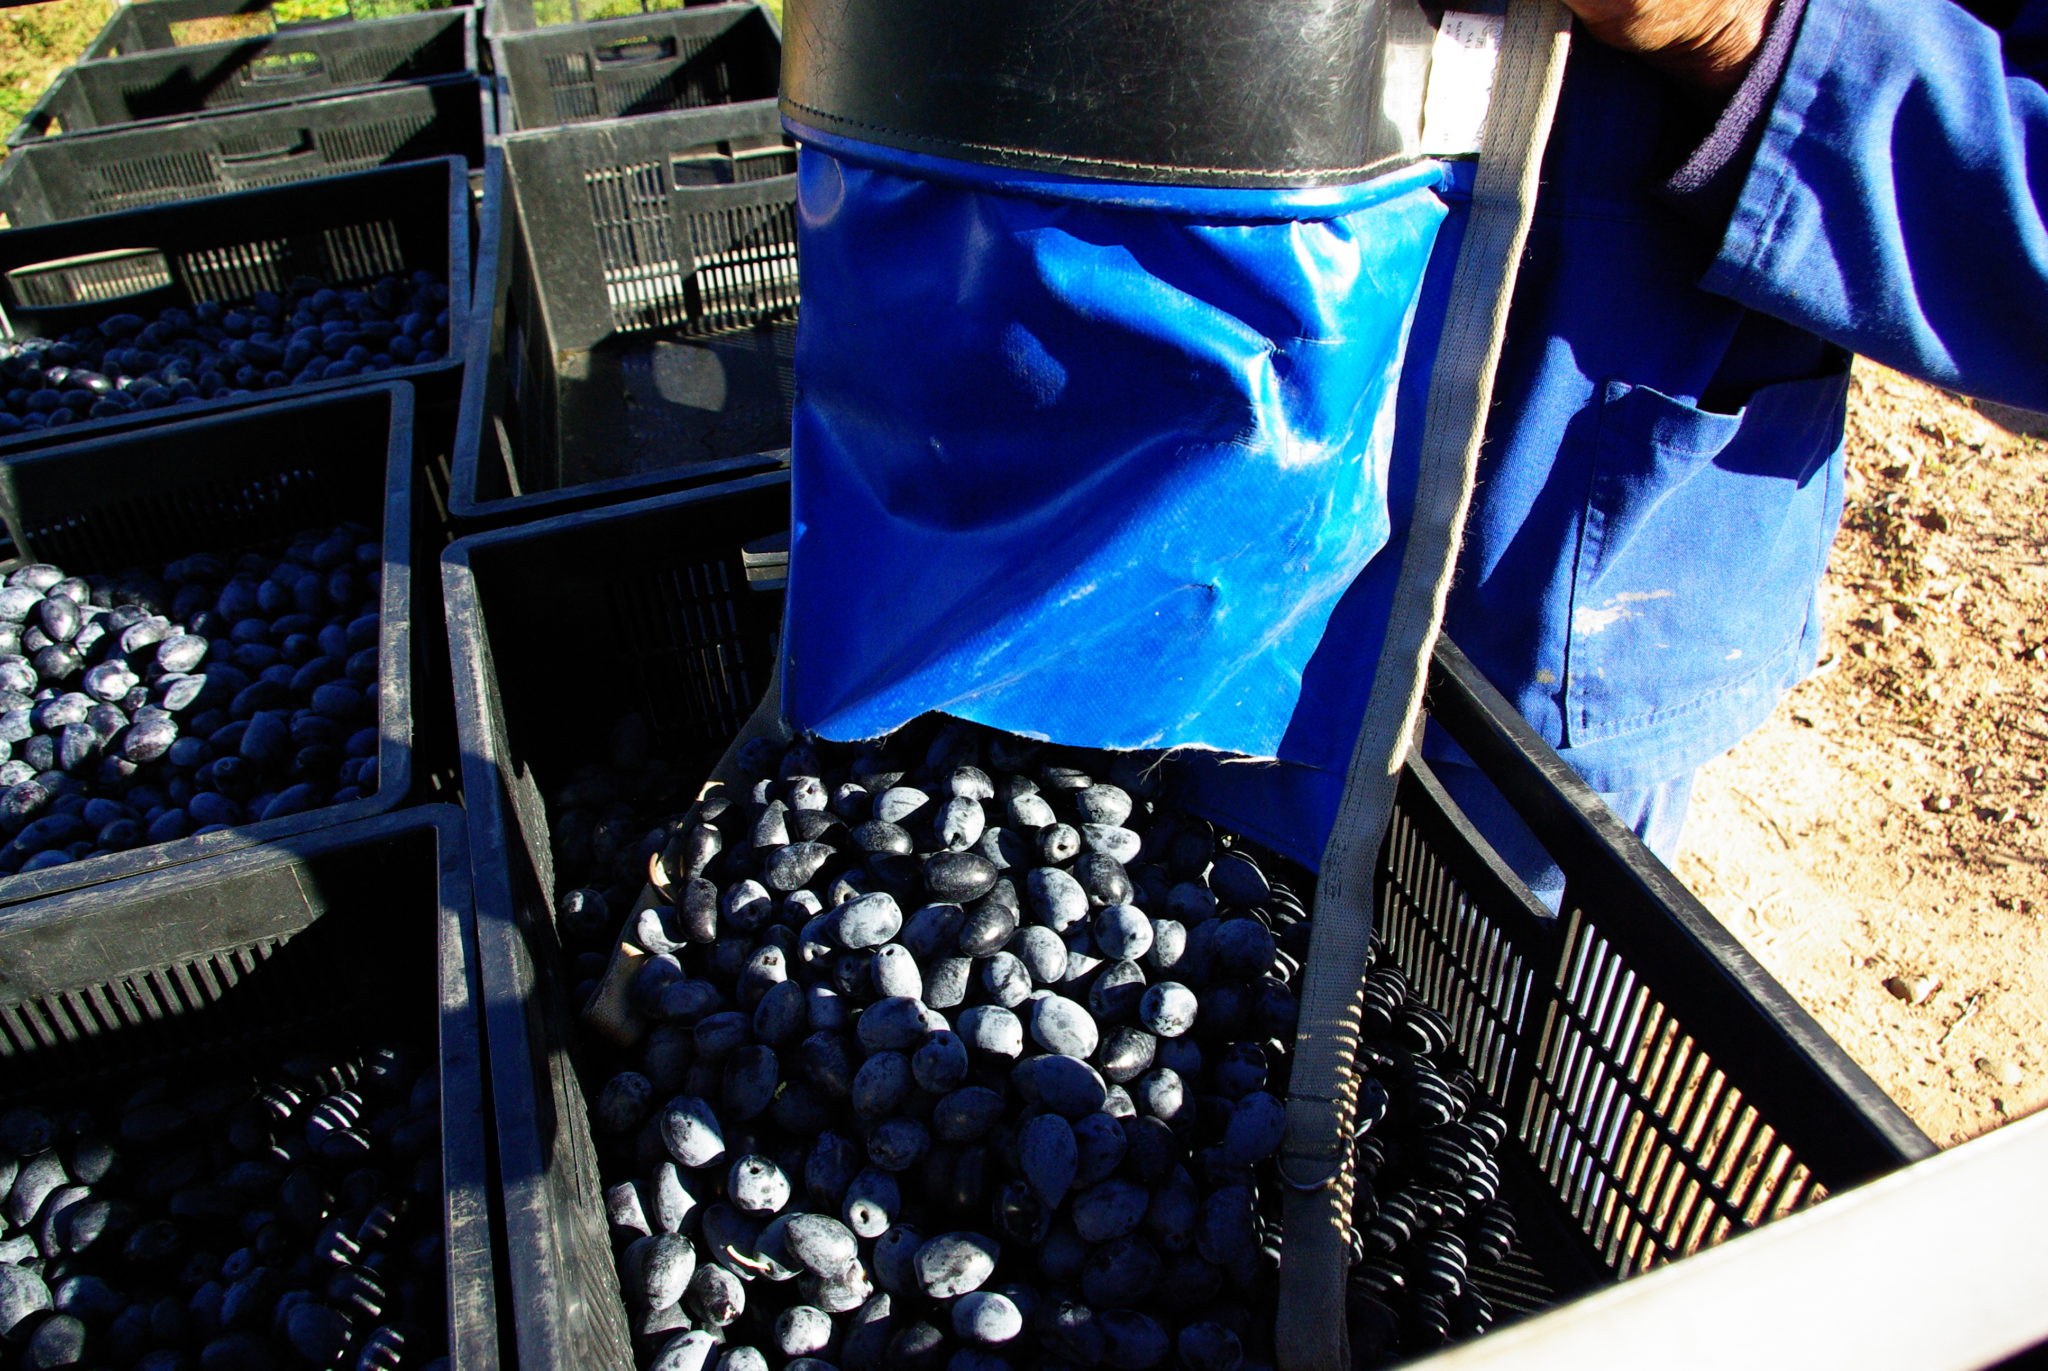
1069	1074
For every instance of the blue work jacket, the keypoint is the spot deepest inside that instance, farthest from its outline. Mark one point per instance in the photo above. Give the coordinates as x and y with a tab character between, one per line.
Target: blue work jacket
1663	475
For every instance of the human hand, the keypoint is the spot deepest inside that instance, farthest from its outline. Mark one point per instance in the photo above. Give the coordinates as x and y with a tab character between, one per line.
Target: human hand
1707	44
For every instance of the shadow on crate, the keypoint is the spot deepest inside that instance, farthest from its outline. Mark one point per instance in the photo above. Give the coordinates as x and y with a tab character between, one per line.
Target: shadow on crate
639	403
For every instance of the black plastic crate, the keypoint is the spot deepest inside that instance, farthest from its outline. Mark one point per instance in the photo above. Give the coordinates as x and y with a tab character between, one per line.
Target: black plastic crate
97	97
659	593
524	16
155	25
1664	1092
222	484
1668	1091
324	941
635	320
160	163
341	229
642	64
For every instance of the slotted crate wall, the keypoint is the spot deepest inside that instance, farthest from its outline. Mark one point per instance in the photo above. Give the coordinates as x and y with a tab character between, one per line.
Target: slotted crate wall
222	484
1665	1089
341	229
159	164
646	64
156	25
96	97
321	942
635	317
1566	1023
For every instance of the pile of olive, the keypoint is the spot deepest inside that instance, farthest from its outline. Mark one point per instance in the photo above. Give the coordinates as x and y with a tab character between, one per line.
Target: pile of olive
291	1218
308	332
146	707
962	1051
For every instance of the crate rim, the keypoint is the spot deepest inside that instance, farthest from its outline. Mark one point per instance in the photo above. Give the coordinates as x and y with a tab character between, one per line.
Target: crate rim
26	134
92	52
459	551
599	30
459	311
468	1208
593	128
496	25
84	139
395	740
103	144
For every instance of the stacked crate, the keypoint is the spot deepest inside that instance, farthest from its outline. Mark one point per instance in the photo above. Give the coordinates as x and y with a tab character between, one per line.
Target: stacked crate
153	117
225	328
636	265
235	275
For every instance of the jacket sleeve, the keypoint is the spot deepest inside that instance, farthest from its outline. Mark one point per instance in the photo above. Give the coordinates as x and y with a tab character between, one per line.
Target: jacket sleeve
1894	204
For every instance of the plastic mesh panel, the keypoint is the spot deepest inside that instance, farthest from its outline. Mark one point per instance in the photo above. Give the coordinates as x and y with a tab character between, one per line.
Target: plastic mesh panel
350	146
649	93
357	251
694	678
238	271
366	66
109	276
738	265
1654	1150
643	279
1457	957
152	180
233	510
573	86
746	266
156	999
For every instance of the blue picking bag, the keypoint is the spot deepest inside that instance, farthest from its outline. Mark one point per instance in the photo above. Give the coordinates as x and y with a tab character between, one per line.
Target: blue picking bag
1090	447
1083	460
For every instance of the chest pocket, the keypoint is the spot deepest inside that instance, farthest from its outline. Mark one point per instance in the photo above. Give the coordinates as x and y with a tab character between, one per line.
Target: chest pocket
1705	535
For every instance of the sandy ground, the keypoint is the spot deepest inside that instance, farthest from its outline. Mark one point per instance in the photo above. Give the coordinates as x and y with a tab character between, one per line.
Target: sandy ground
1879	844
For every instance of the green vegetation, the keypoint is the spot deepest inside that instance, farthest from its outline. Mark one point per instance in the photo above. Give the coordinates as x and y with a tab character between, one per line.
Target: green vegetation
37	42
550	12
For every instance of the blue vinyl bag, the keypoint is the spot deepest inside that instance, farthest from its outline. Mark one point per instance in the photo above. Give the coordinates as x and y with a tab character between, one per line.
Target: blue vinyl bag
1092	460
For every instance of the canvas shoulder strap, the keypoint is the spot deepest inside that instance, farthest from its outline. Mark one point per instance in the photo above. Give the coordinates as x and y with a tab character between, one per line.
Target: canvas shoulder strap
1315	1256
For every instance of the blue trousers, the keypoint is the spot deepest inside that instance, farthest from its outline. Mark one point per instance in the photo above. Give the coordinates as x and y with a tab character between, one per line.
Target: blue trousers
1656	814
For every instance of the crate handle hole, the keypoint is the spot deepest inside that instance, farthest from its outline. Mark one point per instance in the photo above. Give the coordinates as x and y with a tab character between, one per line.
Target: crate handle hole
297	143
90	278
283	66
633	52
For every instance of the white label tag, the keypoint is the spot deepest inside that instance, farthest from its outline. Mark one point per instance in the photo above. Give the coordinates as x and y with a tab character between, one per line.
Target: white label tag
1460	80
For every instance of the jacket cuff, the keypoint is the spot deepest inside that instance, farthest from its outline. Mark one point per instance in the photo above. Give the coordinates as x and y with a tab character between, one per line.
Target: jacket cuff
1709	182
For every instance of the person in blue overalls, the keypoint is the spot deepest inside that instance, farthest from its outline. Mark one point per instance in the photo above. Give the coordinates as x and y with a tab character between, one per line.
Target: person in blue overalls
1737	196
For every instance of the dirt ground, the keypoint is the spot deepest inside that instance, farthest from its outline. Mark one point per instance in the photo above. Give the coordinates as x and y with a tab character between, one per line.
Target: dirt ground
1879	845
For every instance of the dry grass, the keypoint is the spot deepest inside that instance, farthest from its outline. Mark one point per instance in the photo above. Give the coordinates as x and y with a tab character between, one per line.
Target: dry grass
37	42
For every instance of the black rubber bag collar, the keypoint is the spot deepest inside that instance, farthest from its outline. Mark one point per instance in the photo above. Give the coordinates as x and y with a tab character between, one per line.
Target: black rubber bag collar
1184	92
